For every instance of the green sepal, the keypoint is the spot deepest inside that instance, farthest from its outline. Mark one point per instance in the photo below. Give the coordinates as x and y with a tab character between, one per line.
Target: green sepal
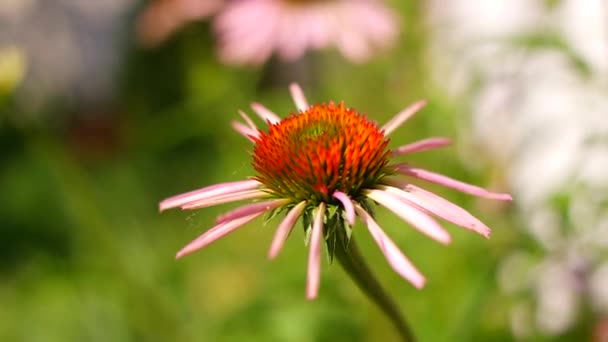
333	223
307	219
274	212
348	230
367	206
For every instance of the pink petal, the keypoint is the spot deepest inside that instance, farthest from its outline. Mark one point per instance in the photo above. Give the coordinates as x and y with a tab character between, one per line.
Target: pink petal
352	45
402	116
244	130
421	145
393	255
265	113
452	183
250	209
249	130
291	44
314	256
214	234
243	37
298	97
207	192
440	207
418	219
248	120
284	229
238	196
348	206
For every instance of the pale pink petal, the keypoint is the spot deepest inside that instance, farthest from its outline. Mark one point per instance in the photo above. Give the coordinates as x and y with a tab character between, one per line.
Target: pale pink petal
244	130
403	116
393	255
247	31
352	44
378	22
312	35
233	197
347	203
421	145
238	12
298	97
207	192
215	233
265	113
250	131
452	183
418	219
291	43
250	209
248	120
440	207
314	256
284	229
320	33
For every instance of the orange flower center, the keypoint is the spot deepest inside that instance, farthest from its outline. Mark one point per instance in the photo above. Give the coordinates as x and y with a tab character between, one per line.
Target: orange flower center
326	148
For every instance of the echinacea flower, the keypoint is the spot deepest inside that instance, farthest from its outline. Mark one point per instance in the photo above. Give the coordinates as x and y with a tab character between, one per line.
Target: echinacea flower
328	164
250	31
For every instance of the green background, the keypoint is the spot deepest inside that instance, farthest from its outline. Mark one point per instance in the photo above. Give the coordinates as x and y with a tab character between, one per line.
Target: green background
86	256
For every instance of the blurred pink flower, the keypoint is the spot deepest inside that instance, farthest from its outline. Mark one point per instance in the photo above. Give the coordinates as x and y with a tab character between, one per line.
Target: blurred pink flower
250	31
161	18
330	164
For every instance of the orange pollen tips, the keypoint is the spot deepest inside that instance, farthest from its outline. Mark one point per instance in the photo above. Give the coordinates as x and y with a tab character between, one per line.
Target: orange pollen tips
327	148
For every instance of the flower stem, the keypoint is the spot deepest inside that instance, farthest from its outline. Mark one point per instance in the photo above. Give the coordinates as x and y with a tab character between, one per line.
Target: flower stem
353	262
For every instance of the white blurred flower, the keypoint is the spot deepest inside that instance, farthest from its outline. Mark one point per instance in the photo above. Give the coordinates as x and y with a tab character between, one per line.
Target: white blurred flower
540	111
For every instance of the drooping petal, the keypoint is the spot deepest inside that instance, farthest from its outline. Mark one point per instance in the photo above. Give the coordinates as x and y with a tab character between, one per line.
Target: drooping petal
207	192
393	254
402	117
215	233
314	256
418	219
348	206
298	97
265	113
233	197
451	183
250	209
421	145
440	207
284	229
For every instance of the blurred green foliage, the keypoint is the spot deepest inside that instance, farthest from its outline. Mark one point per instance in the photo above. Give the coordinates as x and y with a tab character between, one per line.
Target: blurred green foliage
86	256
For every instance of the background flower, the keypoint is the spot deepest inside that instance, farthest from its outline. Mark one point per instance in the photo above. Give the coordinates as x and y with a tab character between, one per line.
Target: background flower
251	31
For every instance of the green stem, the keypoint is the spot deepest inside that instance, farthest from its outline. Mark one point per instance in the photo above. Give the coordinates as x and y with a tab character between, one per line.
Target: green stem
353	262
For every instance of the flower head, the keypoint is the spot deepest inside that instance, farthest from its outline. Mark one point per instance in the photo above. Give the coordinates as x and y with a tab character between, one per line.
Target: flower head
250	31
329	163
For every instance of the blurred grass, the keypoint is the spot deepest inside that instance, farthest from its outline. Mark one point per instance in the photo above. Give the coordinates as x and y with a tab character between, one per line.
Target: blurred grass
87	257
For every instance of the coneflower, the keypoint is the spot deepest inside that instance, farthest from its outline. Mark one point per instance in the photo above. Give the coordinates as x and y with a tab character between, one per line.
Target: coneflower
329	164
